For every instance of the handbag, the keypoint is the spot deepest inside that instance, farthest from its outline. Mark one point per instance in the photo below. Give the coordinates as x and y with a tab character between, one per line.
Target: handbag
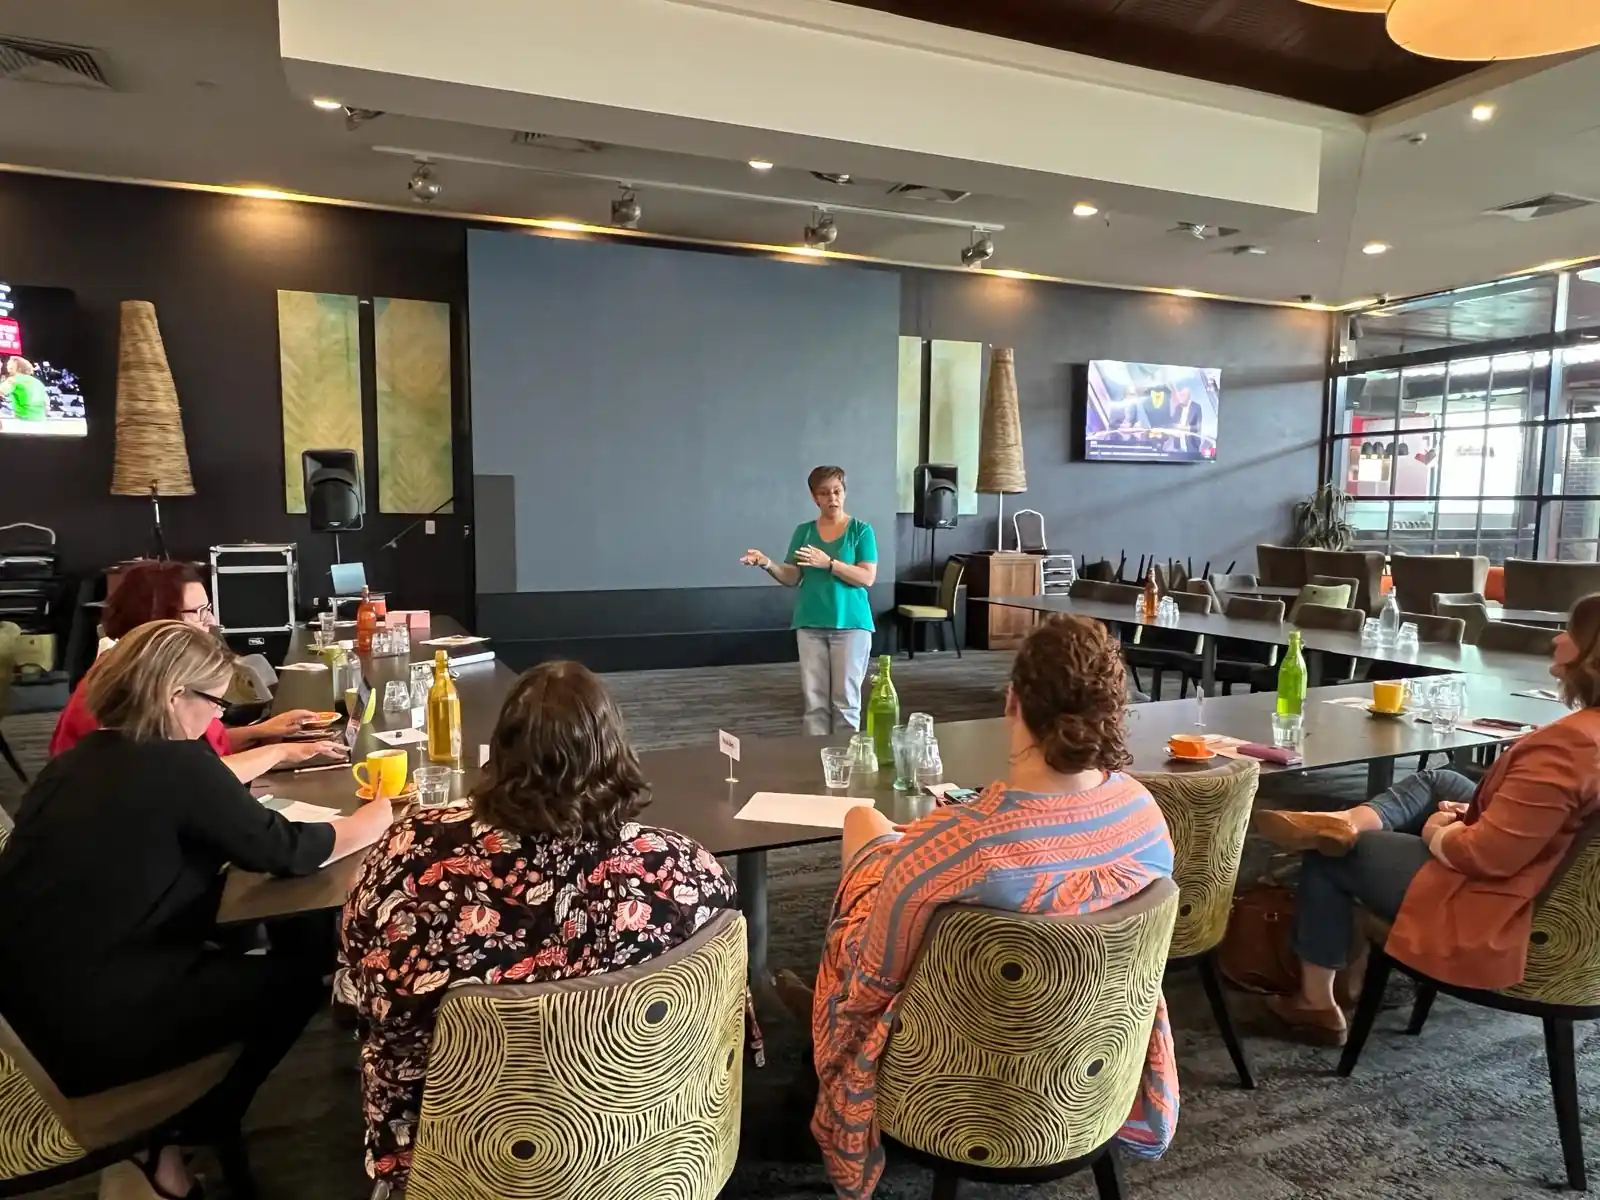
1257	953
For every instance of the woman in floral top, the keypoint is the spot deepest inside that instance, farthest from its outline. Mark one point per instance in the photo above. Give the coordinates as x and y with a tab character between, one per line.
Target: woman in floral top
547	876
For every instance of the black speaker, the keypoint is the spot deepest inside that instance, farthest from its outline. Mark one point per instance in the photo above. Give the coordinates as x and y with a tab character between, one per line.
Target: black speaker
333	489
935	486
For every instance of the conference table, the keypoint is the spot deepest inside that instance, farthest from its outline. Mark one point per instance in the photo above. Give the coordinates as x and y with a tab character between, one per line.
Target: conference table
690	791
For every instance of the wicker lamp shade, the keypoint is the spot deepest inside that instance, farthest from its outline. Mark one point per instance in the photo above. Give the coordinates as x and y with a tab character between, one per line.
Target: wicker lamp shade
1486	30
152	457
1000	467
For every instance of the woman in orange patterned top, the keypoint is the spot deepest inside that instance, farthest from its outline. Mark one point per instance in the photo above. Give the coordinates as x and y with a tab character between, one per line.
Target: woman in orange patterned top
1065	833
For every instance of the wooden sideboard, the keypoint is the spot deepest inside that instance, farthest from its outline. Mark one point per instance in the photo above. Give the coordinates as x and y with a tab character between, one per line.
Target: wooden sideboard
1000	573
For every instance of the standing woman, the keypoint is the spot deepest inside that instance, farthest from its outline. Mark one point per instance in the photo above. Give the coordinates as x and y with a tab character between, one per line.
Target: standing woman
833	561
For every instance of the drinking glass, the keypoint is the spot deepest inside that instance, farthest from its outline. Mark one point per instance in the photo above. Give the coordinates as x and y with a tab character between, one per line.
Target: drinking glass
1420	698
863	756
421	682
905	744
1449	701
929	768
400	638
325	631
1167	611
396	696
433	787
1406	637
1369	631
921	724
1287	729
836	766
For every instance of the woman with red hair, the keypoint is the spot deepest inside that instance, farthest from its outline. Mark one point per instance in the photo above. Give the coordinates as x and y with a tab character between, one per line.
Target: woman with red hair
172	591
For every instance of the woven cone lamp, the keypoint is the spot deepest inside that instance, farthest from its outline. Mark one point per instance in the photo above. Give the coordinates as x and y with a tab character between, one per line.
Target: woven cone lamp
1000	468
152	458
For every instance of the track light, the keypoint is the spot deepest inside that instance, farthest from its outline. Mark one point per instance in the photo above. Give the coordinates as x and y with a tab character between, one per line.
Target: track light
625	210
424	188
980	251
822	231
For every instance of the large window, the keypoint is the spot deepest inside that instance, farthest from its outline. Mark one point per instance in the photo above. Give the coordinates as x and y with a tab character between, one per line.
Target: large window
1470	423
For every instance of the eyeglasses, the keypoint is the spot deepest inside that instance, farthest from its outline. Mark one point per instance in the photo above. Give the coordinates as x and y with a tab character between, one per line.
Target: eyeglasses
205	610
222	705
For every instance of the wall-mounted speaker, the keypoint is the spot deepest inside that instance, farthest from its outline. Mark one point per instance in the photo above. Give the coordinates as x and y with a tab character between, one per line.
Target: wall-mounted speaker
334	499
935	488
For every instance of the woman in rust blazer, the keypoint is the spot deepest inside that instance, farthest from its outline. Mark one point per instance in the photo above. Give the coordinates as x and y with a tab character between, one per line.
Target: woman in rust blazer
1456	865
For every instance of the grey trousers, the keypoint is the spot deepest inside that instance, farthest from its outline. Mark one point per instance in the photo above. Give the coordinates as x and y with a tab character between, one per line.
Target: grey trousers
1376	872
832	664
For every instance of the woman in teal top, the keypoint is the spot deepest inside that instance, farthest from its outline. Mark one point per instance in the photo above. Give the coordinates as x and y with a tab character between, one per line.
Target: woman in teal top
833	561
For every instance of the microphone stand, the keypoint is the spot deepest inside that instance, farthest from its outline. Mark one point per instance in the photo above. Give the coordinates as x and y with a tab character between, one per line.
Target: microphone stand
394	542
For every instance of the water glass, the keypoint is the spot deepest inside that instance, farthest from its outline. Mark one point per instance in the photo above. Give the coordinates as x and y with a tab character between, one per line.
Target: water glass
836	766
1406	637
1370	629
863	757
905	744
1449	702
396	696
1167	611
400	638
325	629
434	785
421	683
1288	729
920	724
1419	698
929	767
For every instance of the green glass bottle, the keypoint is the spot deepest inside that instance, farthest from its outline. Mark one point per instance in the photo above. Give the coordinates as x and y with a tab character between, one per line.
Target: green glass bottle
883	714
1292	678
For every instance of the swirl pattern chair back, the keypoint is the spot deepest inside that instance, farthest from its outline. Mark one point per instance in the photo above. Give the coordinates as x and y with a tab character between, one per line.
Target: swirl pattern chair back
1021	1038
621	1084
33	1135
1564	947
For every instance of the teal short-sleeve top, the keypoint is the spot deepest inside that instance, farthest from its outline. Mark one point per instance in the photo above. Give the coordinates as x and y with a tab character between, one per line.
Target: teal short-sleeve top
825	600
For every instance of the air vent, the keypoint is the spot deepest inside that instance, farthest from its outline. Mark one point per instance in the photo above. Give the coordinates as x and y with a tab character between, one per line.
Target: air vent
550	141
1549	205
1203	232
26	61
934	195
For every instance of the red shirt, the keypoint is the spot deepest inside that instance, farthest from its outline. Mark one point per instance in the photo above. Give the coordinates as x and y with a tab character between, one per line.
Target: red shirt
76	720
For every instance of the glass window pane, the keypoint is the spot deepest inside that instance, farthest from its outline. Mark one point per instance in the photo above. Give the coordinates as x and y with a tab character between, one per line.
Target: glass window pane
1578	370
1576	454
1570	551
1371	402
1371	521
1583	301
1483	313
1412	530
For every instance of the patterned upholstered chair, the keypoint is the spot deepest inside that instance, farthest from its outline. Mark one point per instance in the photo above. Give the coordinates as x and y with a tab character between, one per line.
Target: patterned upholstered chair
626	1084
1021	1040
1207	814
1560	985
47	1139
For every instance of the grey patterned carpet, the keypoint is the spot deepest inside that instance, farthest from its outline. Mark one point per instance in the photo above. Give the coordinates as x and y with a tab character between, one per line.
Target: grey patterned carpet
1461	1113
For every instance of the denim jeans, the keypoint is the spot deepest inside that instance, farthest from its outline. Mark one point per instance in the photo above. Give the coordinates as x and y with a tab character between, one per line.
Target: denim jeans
1376	872
832	665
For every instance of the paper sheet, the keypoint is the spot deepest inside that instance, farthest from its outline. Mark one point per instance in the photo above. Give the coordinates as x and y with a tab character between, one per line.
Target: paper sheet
400	737
304	666
788	808
1224	745
298	810
1351	701
455	639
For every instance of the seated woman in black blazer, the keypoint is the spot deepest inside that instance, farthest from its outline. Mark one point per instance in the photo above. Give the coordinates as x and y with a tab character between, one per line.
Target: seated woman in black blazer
110	884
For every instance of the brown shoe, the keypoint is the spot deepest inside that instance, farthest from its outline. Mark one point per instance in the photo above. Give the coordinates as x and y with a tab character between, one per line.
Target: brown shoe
1319	1026
1326	833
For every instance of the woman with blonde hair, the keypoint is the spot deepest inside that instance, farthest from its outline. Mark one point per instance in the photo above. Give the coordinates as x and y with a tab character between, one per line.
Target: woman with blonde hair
110	886
1456	865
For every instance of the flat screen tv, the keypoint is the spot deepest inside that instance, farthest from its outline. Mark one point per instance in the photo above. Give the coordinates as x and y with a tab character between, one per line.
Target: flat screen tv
39	390
1148	412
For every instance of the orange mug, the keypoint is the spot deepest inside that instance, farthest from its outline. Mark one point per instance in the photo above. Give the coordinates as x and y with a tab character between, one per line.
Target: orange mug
1187	745
1389	695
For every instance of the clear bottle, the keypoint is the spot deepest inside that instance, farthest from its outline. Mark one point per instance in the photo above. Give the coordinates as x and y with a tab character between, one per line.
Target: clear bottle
444	715
1389	621
883	713
1292	678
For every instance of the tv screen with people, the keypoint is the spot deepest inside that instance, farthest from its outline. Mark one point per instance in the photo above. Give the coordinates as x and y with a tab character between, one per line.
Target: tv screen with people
1148	412
40	394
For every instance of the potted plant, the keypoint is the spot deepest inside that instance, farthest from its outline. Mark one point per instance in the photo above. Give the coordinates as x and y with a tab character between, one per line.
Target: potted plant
1321	520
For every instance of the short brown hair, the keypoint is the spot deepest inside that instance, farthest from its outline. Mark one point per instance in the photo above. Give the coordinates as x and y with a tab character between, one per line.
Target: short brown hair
821	475
560	762
1580	682
151	591
1071	688
129	688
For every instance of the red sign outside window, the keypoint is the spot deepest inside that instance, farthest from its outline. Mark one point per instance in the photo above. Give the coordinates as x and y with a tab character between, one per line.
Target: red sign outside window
10	336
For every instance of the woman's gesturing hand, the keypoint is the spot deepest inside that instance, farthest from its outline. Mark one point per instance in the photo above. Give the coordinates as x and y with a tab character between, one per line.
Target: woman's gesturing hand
754	558
810	556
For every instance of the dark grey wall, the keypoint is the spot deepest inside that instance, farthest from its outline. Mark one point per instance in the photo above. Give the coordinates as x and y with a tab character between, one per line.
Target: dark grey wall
1273	364
658	410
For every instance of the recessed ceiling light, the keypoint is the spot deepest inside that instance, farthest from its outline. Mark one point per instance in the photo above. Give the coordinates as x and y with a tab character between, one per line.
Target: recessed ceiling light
1084	209
1483	112
760	164
1252	250
327	105
1375	248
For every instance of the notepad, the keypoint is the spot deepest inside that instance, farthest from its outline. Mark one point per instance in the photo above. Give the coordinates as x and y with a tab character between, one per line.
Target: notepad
299	810
788	808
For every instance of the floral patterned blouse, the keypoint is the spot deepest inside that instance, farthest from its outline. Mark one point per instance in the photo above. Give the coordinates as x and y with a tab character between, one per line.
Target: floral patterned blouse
447	900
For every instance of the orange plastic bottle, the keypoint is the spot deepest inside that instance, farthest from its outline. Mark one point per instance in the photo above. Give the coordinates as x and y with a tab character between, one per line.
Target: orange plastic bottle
366	622
1152	596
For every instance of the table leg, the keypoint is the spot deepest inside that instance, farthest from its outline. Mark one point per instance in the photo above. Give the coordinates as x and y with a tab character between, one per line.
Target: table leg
1380	775
752	875
1208	667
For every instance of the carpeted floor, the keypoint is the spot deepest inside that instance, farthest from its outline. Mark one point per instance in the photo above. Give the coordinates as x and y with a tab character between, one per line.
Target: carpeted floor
1462	1113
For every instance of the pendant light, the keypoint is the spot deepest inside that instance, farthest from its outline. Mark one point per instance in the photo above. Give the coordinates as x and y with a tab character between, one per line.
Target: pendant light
1486	30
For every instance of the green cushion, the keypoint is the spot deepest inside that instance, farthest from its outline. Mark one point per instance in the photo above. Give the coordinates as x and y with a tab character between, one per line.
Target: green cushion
1335	596
923	612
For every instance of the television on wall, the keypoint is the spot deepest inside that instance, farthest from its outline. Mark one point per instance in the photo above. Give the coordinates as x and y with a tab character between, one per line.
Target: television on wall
1150	412
40	393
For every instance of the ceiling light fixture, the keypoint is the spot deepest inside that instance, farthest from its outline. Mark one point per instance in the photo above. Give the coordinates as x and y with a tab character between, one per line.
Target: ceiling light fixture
1375	248
979	250
422	185
564	225
1084	209
760	164
625	210
1491	30
1483	112
822	231
327	105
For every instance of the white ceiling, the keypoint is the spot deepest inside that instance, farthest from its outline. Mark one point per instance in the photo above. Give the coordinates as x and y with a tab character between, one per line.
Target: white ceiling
199	95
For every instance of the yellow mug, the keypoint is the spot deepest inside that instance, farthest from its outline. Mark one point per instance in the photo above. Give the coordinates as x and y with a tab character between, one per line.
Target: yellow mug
386	772
1389	695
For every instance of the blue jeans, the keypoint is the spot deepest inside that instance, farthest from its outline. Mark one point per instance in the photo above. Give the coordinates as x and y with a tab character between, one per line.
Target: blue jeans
1376	872
832	664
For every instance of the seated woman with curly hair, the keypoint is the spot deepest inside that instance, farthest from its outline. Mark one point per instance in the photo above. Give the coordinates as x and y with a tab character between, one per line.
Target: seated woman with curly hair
546	876
1065	833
